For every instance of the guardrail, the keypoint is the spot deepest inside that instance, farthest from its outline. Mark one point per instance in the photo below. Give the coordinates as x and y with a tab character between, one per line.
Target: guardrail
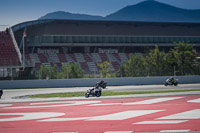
91	82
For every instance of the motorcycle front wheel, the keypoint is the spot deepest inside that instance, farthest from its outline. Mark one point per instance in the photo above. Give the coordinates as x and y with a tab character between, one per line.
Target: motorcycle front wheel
86	95
175	84
98	94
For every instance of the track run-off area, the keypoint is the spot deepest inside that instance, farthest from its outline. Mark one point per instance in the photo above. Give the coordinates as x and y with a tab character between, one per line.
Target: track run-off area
179	113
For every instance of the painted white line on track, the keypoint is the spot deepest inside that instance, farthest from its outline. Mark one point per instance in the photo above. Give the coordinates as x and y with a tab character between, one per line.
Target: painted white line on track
192	114
59	105
154	100
124	115
174	131
64	119
162	122
149	101
29	116
115	116
64	132
104	104
39	103
119	132
5	105
194	101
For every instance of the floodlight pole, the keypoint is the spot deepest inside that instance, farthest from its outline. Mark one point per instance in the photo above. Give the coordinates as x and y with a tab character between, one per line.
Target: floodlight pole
174	70
67	71
94	72
23	54
24	35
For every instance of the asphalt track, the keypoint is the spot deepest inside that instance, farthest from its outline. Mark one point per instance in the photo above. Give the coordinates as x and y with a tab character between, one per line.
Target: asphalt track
11	95
169	112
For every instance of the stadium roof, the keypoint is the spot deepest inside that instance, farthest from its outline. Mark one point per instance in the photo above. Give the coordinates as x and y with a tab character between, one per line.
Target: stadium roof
93	27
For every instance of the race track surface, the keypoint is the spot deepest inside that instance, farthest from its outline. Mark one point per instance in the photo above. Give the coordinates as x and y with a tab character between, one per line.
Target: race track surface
166	112
10	95
128	115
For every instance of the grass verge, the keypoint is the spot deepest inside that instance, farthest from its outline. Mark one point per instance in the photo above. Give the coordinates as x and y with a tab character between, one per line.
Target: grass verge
104	93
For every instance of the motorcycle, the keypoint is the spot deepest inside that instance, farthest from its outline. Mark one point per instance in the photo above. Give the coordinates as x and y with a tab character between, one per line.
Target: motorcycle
96	91
1	93
169	82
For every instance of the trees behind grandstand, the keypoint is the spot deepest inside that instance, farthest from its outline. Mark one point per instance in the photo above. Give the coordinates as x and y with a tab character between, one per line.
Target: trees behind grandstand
181	60
104	69
178	61
69	70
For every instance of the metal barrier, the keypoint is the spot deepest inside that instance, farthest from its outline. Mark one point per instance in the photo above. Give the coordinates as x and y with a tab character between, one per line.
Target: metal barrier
91	82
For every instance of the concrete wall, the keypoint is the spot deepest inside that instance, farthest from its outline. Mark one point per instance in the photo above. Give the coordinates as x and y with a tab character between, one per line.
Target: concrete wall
92	82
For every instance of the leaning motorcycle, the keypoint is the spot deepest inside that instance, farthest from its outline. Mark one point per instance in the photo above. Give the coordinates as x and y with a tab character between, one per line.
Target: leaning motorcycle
174	83
96	91
93	92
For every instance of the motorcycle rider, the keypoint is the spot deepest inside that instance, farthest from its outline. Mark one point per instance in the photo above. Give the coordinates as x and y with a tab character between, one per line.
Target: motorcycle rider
172	80
1	93
96	91
99	85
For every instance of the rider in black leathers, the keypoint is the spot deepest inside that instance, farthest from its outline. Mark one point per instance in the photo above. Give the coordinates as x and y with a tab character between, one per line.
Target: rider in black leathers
99	85
96	91
1	93
172	80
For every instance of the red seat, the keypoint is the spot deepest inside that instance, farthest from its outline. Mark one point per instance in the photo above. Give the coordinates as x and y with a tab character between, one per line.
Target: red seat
8	53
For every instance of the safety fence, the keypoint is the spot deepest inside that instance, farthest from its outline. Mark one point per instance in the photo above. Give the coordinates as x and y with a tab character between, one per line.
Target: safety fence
91	82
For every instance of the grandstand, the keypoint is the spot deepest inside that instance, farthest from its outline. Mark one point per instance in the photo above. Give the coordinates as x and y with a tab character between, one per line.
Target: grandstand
10	56
88	43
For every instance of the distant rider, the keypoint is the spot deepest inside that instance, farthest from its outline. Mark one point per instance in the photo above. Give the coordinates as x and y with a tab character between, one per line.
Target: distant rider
100	84
172	80
1	93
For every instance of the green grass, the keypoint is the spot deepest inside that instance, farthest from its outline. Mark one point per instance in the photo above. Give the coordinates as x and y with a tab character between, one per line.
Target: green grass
70	94
104	93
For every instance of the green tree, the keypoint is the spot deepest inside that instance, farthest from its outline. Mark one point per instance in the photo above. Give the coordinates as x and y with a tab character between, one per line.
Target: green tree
75	71
48	72
53	72
183	57
134	66
120	72
65	73
196	64
104	68
156	62
44	71
72	70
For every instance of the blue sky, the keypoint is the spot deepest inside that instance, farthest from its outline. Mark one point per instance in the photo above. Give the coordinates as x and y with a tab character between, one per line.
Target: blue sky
16	11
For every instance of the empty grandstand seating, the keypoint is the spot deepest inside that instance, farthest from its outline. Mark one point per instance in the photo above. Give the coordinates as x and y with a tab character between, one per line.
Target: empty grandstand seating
53	57
62	58
88	62
79	57
84	66
103	57
123	57
92	66
8	51
96	57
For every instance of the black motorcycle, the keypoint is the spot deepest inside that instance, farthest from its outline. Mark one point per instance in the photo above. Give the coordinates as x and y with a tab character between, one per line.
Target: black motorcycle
96	91
1	93
173	82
